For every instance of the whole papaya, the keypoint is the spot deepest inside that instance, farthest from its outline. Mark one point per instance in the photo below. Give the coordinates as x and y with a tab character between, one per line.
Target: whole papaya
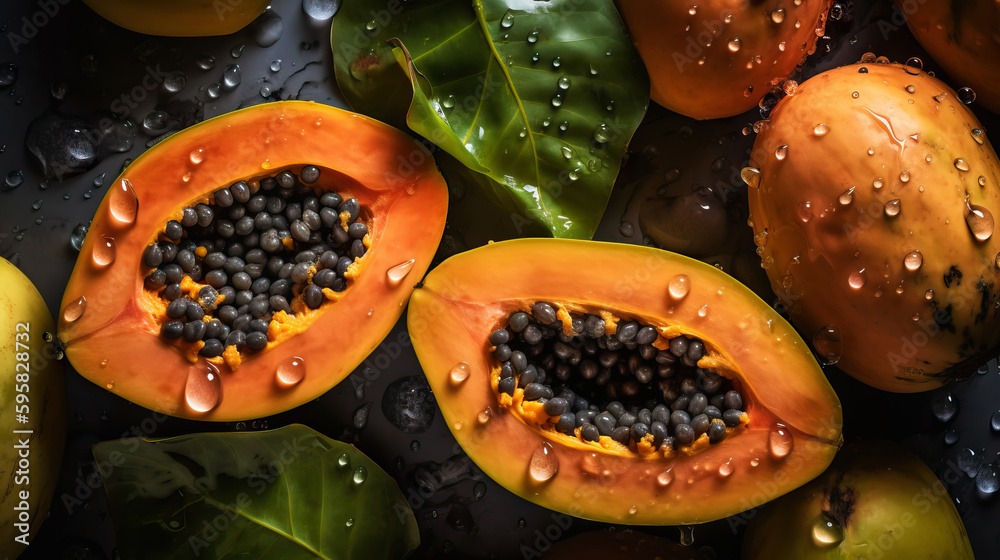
963	37
719	58
877	500
33	414
872	203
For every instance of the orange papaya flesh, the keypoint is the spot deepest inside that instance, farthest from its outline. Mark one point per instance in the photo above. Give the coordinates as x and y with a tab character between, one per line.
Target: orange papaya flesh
179	18
872	201
719	58
793	422
110	323
963	38
622	544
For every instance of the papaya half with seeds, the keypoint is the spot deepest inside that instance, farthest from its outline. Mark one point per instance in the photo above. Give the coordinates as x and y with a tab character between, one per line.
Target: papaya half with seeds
719	58
963	36
873	204
247	264
621	383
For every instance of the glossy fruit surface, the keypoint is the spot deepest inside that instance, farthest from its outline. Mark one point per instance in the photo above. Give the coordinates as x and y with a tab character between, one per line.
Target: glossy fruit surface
111	324
719	58
963	37
794	415
34	414
877	500
180	18
873	204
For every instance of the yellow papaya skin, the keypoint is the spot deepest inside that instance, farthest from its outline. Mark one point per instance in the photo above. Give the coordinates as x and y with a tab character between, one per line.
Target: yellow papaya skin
180	18
963	36
877	500
873	212
470	295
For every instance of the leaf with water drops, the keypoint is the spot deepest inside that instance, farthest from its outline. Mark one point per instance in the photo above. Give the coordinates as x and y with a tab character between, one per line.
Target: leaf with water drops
506	89
286	493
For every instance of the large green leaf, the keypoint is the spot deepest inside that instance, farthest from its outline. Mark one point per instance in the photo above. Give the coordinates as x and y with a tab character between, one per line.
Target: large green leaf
541	97
288	493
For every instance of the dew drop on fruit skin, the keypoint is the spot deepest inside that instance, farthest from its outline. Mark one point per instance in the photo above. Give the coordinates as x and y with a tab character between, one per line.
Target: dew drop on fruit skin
291	371
828	343
75	309
124	204
203	389
105	251
459	373
397	273
780	441
543	464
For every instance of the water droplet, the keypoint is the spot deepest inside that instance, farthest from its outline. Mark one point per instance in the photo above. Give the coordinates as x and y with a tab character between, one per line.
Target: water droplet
735	44
826	532
750	176
459	373
13	180
544	464
567	152
944	407
175	81
950	436
979	220
829	344
532	37
966	95
236	51
703	311
626	228
203	388
780	152
892	208
846	197
320	10
912	261
780	441
479	490
679	287
396	274
205	61
982	180
414	446
601	134
232	76
726	469
105	251
557	100
804	210
988	479
878	183
507	21
197	156
74	310
595	165
978	136
556	62
156	122
968	462
961	164
665	478
275	65
291	371
344	460
687	535
564	83
857	279
37	205
905	176
778	16
80	232
484	416
360	475
995	421
124	202
265	91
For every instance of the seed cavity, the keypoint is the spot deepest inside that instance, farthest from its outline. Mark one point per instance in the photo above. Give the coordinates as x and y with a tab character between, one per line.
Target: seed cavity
619	383
251	263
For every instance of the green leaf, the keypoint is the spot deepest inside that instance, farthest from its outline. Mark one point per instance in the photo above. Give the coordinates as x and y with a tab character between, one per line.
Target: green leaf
288	493
540	97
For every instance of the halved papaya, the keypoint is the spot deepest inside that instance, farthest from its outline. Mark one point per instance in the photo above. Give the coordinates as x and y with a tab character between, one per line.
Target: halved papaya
227	360
473	323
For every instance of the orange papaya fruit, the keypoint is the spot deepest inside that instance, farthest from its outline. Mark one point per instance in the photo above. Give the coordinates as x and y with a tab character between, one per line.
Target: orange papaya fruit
247	264
591	378
719	58
180	18
963	36
872	204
